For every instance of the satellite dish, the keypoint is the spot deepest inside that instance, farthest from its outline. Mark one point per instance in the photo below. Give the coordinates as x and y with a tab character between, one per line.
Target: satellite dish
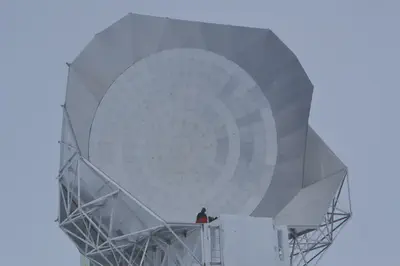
192	115
180	115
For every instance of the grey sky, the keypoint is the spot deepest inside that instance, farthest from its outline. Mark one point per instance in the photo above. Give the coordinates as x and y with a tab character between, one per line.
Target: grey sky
348	48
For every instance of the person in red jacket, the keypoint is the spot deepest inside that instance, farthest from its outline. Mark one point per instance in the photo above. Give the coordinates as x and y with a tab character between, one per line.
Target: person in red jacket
202	217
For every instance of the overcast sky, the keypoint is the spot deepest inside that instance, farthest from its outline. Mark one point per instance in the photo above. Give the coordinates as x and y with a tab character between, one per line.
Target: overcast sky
350	50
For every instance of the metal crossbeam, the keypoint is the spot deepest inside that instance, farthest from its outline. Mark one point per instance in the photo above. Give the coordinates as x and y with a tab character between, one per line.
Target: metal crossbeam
308	247
91	224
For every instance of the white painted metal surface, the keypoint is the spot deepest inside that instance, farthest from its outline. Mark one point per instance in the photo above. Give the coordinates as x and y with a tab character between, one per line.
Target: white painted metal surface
164	116
192	114
252	240
171	134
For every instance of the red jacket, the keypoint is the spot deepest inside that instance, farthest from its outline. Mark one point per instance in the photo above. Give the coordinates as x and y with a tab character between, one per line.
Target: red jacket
201	218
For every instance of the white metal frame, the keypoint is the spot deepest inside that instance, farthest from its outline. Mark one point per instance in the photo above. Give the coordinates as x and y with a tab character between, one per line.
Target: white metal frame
94	240
308	246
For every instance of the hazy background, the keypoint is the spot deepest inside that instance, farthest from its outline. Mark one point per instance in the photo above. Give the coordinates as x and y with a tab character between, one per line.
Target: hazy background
350	50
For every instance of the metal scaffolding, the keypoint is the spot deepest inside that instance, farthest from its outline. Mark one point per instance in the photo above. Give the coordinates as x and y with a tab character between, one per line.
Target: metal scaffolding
309	246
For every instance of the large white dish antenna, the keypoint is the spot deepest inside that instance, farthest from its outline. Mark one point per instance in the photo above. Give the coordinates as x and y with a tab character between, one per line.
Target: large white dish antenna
164	116
188	114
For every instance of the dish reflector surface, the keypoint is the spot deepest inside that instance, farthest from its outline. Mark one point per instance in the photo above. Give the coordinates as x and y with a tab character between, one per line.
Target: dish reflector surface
186	128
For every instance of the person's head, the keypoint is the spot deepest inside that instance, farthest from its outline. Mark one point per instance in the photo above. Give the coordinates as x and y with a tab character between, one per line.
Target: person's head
203	210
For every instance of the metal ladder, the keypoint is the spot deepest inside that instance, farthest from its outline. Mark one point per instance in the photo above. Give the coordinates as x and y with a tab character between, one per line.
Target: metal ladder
216	252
